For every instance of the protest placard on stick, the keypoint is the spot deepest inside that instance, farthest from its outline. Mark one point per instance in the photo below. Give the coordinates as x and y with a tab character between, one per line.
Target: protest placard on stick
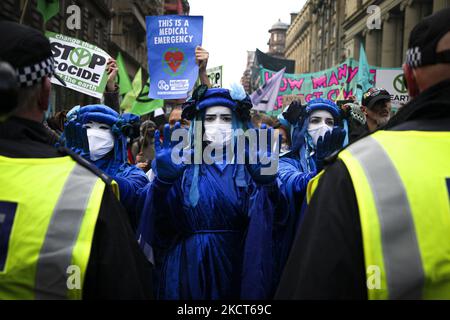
80	64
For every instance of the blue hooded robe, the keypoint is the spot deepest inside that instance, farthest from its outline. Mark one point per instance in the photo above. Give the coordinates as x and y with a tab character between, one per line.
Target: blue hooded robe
210	233
129	178
296	169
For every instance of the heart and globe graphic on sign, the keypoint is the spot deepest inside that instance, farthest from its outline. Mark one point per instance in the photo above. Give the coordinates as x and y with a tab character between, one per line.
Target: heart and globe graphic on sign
174	61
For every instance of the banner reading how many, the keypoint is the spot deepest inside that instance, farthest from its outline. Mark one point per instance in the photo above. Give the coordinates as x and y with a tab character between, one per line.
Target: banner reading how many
325	84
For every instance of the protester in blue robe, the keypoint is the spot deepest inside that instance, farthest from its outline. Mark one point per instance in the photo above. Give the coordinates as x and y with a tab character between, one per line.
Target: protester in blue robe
315	135
208	227
99	134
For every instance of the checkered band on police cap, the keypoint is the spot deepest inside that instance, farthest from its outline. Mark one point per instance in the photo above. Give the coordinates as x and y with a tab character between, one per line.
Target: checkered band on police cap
31	75
414	57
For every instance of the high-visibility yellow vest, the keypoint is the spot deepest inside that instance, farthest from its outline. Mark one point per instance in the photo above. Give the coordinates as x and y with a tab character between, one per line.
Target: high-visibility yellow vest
402	185
48	212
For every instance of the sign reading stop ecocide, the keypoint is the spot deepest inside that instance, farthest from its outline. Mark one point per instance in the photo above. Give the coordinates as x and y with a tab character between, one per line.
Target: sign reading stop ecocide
80	64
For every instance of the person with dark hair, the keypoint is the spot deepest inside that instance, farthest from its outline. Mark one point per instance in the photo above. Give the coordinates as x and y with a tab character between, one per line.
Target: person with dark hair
175	116
378	220
56	123
260	118
285	138
376	106
64	234
143	147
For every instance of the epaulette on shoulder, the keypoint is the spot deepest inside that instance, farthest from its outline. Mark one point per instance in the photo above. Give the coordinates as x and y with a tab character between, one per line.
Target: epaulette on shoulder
86	164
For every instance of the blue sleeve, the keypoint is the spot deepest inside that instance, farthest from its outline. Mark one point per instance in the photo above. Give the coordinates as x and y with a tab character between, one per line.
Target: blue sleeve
156	203
293	185
258	265
293	178
130	181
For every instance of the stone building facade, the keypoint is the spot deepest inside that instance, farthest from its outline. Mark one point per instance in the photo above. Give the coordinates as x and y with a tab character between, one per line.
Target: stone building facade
246	79
385	46
298	39
277	41
326	32
128	31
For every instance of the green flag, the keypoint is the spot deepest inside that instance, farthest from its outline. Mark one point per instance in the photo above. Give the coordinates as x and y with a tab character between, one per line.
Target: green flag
48	8
144	104
131	96
364	83
122	77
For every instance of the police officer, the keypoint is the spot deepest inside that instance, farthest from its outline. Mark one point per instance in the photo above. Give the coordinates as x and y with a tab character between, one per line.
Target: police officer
378	223
63	232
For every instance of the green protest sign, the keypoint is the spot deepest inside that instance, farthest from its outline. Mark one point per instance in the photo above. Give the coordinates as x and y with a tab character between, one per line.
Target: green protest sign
393	81
144	104
130	97
80	64
215	76
122	77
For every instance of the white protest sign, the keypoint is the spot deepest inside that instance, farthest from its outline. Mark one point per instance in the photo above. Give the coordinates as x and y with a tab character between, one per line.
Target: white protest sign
80	64
392	81
215	76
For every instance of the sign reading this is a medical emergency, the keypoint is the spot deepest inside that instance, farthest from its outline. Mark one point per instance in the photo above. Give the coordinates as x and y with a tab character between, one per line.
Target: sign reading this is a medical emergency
171	42
80	64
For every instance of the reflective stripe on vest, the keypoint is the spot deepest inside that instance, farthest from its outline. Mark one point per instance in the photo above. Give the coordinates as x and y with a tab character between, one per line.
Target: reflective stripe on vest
62	233
400	185
57	203
312	186
398	237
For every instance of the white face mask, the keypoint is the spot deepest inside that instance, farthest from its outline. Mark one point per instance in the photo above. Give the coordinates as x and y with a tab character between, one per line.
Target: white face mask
101	139
321	124
218	128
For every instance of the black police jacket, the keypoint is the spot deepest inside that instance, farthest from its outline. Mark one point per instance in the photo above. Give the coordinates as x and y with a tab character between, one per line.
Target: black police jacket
117	268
